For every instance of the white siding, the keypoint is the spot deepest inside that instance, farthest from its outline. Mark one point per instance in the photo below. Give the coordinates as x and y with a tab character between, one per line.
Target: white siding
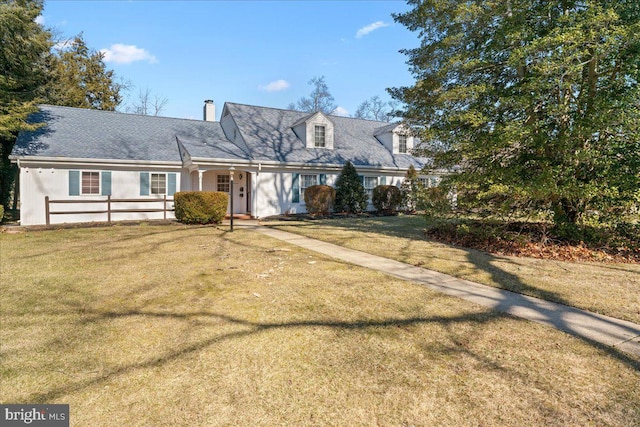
387	141
391	141
36	183
273	191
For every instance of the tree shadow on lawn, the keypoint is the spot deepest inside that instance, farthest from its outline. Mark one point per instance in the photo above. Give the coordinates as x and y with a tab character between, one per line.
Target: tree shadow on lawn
148	231
483	261
251	328
486	262
480	260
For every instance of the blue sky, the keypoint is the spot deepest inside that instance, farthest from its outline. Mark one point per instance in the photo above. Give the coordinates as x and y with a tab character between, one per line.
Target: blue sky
251	52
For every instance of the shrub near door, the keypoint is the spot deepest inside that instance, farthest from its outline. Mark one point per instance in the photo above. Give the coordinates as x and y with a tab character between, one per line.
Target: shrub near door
201	207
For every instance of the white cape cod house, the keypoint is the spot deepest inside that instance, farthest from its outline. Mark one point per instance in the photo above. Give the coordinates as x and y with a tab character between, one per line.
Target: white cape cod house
80	160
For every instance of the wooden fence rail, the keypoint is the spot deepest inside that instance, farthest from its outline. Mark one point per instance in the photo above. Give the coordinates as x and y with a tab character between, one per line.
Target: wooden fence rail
108	209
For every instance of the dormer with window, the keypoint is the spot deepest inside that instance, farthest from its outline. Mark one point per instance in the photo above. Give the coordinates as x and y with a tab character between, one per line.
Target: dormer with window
315	131
396	137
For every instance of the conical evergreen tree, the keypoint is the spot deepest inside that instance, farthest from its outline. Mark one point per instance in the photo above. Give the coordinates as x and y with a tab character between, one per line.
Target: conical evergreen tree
410	189
350	193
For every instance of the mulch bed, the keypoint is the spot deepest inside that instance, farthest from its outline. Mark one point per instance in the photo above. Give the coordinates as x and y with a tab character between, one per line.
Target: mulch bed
534	240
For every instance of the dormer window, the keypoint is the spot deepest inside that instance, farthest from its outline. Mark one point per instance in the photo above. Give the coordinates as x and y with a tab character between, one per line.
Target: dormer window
315	131
402	144
320	136
396	137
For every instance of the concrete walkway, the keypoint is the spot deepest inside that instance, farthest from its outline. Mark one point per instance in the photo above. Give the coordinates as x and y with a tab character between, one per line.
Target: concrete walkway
620	334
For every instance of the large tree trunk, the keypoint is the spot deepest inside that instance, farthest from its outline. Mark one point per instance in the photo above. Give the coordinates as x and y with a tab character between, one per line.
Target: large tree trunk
566	211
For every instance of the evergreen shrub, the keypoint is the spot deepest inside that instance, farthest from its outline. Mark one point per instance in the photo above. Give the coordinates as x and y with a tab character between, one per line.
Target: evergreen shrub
386	199
350	193
201	207
319	199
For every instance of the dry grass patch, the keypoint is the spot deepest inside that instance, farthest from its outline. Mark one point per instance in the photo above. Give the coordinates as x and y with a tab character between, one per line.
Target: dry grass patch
177	325
610	289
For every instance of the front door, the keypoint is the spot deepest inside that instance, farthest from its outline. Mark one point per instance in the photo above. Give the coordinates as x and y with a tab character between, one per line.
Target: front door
241	193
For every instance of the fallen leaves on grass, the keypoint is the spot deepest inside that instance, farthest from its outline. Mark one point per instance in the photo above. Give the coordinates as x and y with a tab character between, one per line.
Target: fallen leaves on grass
529	241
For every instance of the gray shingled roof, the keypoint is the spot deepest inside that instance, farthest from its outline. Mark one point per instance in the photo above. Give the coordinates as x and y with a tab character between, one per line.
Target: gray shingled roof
269	135
92	134
267	132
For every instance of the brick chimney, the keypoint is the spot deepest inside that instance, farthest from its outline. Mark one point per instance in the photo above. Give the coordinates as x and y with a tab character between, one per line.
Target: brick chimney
209	111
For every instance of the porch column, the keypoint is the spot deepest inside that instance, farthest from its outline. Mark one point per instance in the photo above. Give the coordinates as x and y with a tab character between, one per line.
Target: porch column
255	176
200	173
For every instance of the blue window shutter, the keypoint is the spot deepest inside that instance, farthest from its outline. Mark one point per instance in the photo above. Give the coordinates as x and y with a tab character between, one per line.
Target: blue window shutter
361	179
144	183
323	179
171	184
74	183
105	176
295	189
383	180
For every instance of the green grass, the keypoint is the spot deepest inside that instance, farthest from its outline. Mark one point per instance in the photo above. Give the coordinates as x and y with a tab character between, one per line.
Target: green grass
609	289
174	325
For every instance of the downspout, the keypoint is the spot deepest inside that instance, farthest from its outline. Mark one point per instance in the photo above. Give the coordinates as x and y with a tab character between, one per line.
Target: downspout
16	187
255	191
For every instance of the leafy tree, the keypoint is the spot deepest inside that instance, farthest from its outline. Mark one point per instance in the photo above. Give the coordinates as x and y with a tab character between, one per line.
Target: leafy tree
375	109
538	102
24	55
81	79
320	98
350	193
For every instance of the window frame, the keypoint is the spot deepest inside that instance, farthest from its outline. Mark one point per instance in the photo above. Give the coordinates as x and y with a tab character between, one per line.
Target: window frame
367	189
224	184
151	183
403	141
98	191
429	181
303	187
317	142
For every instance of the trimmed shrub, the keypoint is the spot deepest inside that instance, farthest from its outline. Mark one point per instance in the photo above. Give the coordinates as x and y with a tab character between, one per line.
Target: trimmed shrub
350	193
201	207
1	212
386	199
319	199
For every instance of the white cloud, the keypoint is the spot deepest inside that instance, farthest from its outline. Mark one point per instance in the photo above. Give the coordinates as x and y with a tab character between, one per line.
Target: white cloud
369	28
40	20
275	86
126	54
340	111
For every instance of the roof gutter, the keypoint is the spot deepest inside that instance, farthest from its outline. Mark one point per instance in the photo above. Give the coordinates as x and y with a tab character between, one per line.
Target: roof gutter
21	161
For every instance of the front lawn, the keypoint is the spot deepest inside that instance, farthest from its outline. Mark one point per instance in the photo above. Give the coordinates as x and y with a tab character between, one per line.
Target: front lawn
174	325
611	289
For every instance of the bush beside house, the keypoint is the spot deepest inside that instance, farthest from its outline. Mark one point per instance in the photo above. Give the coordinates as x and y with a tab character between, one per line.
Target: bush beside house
386	199
350	193
1	213
411	189
319	199
201	207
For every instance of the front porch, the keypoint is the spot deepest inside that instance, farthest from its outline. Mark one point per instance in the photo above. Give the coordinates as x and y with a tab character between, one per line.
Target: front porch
224	180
